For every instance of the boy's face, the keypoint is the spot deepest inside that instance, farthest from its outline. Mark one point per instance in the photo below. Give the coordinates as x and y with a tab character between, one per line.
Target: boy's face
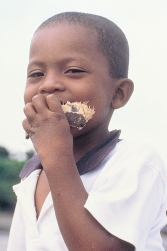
65	60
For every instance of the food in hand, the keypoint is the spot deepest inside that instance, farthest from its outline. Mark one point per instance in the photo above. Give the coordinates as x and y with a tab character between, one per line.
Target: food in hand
78	113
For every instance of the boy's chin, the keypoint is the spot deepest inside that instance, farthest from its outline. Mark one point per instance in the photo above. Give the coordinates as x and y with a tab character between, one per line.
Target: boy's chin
76	132
81	132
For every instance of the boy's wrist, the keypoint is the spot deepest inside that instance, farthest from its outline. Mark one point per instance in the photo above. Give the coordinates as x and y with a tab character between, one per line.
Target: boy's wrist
62	156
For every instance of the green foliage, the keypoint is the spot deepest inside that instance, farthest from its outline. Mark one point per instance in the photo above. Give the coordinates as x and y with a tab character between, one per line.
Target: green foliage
4	152
9	176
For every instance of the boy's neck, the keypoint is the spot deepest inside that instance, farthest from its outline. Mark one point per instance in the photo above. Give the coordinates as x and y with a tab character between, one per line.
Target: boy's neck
84	143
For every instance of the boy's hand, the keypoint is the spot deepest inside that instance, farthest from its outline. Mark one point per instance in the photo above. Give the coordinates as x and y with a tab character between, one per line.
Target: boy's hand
47	125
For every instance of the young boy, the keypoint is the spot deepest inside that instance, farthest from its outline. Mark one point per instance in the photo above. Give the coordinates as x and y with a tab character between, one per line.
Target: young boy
85	189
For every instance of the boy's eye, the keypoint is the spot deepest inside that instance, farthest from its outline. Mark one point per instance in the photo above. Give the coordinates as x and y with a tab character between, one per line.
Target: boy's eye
35	75
74	70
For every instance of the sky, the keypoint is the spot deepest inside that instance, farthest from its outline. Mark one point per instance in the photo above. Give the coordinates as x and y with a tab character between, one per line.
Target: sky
144	23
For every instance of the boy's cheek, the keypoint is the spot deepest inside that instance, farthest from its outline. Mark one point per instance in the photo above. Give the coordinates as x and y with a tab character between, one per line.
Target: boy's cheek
27	98
29	94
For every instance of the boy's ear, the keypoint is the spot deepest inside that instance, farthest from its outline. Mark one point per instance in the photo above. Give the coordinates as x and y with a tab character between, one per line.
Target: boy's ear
123	90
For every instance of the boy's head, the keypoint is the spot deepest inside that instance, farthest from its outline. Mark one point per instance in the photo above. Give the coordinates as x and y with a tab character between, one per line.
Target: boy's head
80	58
111	40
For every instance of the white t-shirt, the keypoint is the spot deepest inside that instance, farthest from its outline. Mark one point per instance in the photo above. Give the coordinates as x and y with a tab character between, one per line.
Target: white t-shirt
127	196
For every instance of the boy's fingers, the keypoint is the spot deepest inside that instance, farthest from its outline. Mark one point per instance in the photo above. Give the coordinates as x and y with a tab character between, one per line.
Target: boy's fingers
26	127
50	102
39	103
53	103
29	110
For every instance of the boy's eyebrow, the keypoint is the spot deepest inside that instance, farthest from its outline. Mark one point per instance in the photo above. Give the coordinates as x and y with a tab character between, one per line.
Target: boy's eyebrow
35	63
69	59
61	61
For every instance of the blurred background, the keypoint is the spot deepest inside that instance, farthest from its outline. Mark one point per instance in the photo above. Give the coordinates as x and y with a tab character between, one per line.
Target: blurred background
144	118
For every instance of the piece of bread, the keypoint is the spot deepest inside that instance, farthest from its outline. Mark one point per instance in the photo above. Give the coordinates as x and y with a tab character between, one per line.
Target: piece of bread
78	113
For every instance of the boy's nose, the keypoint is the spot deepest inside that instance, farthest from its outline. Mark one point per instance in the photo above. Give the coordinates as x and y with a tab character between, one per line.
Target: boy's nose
51	85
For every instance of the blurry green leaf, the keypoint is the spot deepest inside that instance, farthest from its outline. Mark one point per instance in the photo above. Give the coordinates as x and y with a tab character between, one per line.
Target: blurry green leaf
9	176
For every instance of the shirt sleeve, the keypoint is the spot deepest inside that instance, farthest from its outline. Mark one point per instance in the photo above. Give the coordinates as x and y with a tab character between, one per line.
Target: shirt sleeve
128	199
16	240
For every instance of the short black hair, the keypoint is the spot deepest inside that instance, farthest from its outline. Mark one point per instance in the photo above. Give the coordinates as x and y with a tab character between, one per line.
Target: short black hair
111	39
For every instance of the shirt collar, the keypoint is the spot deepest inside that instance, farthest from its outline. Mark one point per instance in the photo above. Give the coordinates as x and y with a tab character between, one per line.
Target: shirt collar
87	163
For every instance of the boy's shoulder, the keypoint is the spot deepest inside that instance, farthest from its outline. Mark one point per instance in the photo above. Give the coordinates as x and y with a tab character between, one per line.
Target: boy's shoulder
141	149
141	154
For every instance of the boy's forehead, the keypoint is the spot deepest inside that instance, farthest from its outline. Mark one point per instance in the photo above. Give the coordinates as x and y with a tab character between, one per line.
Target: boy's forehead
67	32
65	36
69	26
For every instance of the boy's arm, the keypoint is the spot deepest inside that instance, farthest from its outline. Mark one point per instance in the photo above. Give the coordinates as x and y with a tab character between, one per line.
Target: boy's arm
79	228
50	134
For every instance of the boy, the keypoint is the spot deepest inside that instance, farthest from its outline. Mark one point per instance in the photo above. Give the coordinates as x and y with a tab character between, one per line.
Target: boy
85	189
